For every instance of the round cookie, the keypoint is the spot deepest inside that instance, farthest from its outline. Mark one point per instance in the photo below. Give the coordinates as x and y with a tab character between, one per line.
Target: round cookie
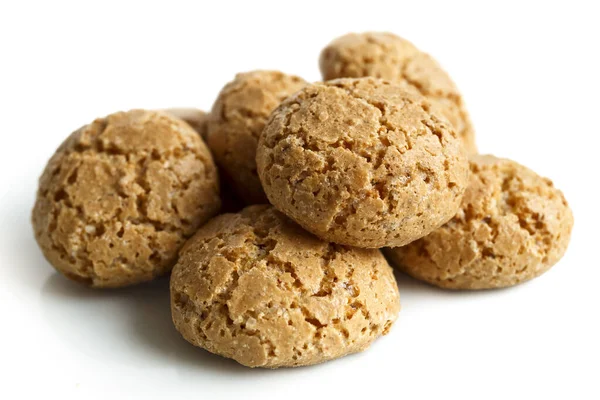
361	162
196	118
513	226
121	195
257	288
238	117
387	56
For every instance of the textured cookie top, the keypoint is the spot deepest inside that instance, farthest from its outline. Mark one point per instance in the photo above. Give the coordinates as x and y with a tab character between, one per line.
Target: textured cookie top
257	288
362	162
238	118
121	195
377	54
513	225
387	56
196	118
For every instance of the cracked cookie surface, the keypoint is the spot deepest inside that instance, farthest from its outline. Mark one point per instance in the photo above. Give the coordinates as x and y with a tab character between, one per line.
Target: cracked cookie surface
257	288
237	120
121	195
387	56
362	162
513	226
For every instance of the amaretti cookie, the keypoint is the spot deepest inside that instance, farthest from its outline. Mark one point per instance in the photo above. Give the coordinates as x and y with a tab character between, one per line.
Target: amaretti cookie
513	225
121	195
362	162
194	117
238	117
387	56
257	288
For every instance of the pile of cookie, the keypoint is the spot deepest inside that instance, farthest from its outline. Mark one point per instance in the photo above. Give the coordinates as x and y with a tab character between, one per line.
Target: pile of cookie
379	158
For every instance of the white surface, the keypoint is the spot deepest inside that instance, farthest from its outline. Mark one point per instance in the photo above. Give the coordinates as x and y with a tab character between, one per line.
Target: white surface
530	77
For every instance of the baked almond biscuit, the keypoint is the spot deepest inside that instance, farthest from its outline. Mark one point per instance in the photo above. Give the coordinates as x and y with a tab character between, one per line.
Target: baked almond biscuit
387	56
257	288
362	162
121	195
238	118
513	226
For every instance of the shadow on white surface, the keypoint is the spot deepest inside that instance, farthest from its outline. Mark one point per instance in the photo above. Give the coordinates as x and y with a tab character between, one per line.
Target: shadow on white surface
28	263
131	326
411	287
416	295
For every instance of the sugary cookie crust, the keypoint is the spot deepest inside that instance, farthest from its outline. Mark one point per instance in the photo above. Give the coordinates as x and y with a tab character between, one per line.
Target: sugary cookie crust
238	117
257	288
121	195
513	226
361	162
387	56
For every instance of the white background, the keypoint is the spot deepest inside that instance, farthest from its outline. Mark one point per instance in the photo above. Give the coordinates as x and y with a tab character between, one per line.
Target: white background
529	73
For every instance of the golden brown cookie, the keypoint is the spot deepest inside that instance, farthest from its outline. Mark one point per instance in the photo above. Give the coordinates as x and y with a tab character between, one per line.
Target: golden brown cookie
513	226
121	195
257	288
361	162
196	118
387	56
238	117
